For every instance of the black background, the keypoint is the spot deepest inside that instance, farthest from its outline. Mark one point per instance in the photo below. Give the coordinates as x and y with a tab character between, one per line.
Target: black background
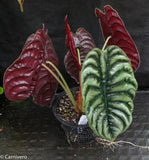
15	27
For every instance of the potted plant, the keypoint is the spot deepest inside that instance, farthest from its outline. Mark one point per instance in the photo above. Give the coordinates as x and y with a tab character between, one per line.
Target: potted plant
107	86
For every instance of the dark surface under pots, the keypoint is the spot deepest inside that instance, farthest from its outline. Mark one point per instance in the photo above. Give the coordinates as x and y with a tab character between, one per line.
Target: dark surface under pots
32	130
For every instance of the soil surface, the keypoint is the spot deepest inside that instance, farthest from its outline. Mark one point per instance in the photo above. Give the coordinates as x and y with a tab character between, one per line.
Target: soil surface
66	110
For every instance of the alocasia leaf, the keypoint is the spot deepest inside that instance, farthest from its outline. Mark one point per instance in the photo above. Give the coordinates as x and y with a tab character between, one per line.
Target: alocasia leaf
108	89
113	26
26	76
70	44
85	43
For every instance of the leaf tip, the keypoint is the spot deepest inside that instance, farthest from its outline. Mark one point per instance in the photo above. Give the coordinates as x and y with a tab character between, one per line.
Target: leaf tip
43	27
107	7
99	13
66	17
67	25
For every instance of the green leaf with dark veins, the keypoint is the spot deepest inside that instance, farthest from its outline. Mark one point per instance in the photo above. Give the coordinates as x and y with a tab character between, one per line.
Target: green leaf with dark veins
108	89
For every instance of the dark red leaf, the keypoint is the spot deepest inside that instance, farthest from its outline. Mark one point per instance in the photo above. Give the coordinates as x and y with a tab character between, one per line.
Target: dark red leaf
26	76
112	25
85	43
71	45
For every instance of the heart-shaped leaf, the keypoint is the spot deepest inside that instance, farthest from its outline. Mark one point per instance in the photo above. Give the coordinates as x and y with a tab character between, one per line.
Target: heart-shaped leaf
85	43
26	76
113	26
108	90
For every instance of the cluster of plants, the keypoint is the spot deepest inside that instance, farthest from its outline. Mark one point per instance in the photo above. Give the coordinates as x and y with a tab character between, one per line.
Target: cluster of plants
105	76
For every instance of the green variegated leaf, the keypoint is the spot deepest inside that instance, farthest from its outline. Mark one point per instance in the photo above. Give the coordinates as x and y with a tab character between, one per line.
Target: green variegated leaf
108	89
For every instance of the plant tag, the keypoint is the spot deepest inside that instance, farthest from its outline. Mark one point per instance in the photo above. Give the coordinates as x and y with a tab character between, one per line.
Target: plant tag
83	120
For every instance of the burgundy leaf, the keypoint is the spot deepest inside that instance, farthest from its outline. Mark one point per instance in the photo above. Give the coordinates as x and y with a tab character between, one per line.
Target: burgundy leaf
113	26
85	43
70	44
26	76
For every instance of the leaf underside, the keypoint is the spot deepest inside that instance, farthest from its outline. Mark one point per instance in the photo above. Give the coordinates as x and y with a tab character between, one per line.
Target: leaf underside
85	43
113	26
26	76
108	89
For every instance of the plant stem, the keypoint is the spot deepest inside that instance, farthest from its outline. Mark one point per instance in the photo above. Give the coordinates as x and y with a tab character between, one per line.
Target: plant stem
79	58
62	78
104	46
79	100
21	4
62	83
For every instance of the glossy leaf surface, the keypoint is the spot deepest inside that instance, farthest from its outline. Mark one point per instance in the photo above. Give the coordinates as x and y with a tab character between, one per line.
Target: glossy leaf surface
108	90
113	26
71	46
26	76
85	43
